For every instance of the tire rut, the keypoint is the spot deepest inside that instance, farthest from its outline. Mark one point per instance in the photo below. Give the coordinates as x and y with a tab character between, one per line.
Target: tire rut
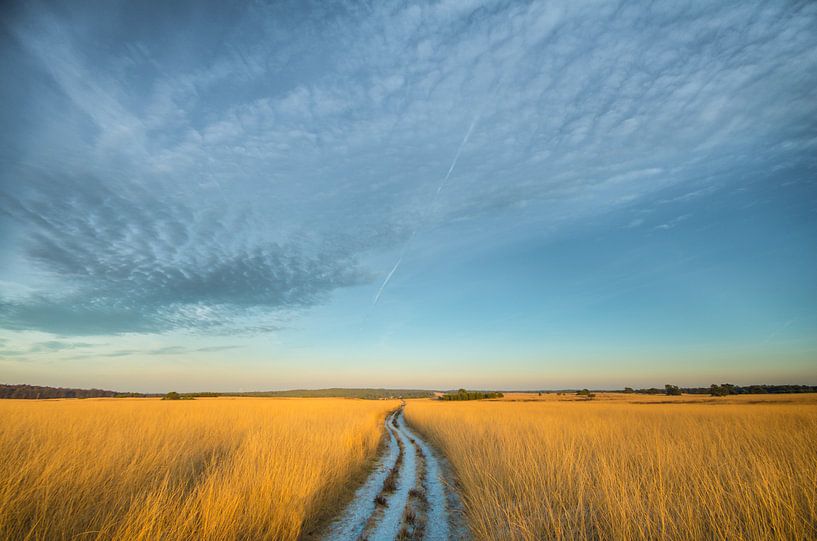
407	496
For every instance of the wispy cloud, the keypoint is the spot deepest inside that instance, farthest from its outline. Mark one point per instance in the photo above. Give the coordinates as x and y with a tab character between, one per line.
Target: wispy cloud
72	350
673	223
153	181
148	353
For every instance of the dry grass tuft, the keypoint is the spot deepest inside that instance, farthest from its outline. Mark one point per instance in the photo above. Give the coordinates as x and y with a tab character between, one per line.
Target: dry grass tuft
203	469
619	470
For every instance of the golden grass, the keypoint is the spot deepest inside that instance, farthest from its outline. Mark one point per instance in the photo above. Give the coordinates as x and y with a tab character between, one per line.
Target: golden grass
202	469
740	469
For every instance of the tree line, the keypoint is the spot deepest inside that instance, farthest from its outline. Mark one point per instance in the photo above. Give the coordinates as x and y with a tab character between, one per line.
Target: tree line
726	389
462	394
36	391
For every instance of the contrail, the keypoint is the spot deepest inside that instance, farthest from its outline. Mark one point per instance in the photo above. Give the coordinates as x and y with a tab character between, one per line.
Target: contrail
439	189
386	281
459	151
394	269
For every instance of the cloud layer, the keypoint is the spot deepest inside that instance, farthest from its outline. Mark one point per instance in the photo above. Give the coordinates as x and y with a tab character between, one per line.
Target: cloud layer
190	167
129	261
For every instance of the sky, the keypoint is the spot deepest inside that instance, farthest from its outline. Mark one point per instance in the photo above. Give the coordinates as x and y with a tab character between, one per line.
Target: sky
268	195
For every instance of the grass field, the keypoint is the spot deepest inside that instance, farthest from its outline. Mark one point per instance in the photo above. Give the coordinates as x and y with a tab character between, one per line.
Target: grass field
202	469
631	467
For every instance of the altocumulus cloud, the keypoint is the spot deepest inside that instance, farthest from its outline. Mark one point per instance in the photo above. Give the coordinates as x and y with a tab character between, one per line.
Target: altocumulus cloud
165	171
130	262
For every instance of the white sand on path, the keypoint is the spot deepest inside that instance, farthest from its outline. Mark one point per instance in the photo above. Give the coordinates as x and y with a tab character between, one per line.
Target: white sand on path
444	518
389	525
351	523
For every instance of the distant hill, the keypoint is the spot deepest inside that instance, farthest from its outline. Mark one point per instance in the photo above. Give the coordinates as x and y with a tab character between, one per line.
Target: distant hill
336	392
38	392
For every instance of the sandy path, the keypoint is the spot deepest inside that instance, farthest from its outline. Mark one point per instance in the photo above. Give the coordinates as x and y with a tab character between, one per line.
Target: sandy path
437	519
388	527
418	506
351	523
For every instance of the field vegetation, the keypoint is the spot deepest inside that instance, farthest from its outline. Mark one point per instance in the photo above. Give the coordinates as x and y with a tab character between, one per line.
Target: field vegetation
631	467
202	469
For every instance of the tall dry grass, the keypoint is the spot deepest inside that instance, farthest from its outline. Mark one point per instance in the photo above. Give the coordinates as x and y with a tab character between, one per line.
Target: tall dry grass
617	470
203	469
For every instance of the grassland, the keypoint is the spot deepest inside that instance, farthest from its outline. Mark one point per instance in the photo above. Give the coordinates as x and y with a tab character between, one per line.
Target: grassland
623	467
204	469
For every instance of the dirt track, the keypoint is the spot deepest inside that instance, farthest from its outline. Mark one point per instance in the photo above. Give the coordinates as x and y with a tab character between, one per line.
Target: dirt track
408	495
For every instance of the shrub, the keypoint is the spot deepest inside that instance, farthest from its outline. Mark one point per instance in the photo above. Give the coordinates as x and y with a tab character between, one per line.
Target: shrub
672	390
173	395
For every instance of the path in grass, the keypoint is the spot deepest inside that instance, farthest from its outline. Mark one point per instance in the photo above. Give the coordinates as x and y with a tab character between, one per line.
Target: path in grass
406	497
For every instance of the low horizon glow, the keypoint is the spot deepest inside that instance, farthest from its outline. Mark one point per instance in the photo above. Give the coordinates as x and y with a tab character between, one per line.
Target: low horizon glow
209	196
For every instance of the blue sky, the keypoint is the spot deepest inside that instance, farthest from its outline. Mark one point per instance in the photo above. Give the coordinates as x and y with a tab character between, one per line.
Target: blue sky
486	194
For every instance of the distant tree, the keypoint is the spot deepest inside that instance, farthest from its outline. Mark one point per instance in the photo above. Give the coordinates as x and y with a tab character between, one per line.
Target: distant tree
172	395
672	390
462	394
628	390
586	394
732	389
718	390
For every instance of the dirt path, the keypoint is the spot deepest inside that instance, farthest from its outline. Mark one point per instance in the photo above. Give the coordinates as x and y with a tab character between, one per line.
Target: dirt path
406	497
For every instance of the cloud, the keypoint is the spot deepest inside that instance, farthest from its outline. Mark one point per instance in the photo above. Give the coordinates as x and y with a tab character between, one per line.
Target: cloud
44	348
155	180
58	345
130	262
675	222
145	353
